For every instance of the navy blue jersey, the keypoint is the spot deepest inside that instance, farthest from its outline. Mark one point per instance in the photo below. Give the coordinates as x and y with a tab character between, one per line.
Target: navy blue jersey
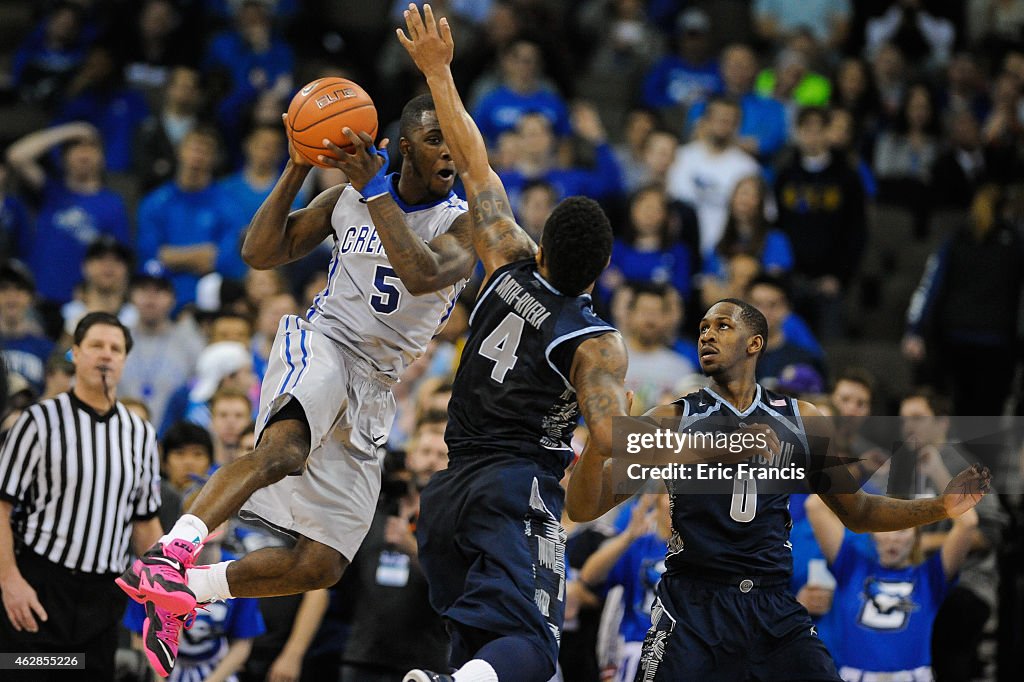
742	533
512	392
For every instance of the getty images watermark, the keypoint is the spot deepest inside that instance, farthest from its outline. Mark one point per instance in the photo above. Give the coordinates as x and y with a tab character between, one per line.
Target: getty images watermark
709	444
789	454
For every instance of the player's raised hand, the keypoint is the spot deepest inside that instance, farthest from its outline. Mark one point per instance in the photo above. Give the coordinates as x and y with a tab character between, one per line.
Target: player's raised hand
362	162
966	490
429	43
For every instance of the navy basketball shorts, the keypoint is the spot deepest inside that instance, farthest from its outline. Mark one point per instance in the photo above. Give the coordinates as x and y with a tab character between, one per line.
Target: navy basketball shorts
711	631
492	548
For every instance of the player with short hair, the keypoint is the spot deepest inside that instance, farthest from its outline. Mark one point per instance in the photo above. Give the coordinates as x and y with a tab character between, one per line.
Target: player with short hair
723	610
402	253
490	540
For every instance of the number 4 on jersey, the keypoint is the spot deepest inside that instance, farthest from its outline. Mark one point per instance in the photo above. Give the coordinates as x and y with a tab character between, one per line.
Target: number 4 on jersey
501	345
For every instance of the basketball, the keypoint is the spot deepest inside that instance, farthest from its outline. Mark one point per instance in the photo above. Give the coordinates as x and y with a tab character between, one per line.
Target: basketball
321	109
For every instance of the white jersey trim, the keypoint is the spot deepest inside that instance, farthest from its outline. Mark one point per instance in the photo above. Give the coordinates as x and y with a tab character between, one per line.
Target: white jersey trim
566	337
754	404
480	299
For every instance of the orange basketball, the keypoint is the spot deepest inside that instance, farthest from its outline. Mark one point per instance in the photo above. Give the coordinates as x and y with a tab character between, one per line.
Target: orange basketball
321	109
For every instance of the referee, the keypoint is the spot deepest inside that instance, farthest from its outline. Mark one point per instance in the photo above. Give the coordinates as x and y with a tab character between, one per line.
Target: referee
80	473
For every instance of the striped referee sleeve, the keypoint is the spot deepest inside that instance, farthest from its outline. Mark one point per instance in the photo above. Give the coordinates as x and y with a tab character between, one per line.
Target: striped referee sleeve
147	504
19	459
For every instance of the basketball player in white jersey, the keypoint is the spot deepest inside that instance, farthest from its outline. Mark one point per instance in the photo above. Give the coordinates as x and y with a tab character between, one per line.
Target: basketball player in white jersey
402	253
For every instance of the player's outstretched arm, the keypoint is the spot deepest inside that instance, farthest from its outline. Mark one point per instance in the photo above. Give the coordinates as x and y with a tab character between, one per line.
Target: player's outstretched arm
496	236
276	235
598	375
422	266
864	513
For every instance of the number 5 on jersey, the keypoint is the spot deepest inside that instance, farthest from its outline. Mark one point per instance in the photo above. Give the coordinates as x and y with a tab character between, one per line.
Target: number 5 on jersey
386	301
501	345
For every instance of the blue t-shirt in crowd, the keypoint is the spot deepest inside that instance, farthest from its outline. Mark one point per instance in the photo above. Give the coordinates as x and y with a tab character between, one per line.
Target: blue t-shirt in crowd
688	349
883	616
668	266
169	216
27	355
638	570
250	73
15	226
499	111
799	334
203	645
117	116
601	182
805	549
673	81
67	223
762	118
776	254
241	201
229	51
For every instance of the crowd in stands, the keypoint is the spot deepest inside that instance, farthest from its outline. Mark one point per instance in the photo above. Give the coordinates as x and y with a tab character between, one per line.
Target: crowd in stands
853	169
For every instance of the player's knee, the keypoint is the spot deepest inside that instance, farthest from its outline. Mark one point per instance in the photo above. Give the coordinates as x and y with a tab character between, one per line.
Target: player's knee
278	458
319	566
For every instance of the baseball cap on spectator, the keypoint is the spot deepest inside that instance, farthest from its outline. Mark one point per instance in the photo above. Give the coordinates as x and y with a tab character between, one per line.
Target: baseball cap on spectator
215	362
153	272
14	272
693	20
108	246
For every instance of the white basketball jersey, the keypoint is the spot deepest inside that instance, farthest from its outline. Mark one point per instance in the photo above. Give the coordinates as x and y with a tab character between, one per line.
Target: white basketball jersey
365	306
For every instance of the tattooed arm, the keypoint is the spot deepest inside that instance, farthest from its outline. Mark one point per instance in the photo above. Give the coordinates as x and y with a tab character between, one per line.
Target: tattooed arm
598	372
496	236
864	513
423	266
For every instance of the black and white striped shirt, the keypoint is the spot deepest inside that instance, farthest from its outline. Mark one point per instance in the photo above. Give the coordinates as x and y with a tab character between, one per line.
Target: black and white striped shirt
78	480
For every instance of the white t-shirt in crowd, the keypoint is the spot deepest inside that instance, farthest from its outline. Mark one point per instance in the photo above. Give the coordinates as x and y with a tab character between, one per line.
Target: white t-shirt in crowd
706	179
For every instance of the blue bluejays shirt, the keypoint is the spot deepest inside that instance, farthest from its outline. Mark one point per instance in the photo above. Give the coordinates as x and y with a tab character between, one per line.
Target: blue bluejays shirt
604	181
499	111
67	223
883	616
27	355
116	115
638	570
805	549
241	201
674	81
666	266
776	254
170	216
15	227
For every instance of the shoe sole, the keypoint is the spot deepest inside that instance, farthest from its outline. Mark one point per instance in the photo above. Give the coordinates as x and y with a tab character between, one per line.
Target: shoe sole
154	660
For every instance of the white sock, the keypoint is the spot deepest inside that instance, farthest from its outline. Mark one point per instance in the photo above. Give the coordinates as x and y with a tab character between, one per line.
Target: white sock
188	527
477	670
210	583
